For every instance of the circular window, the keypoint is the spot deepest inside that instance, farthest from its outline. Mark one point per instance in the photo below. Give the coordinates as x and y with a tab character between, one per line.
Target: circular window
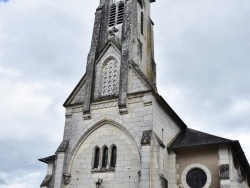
196	178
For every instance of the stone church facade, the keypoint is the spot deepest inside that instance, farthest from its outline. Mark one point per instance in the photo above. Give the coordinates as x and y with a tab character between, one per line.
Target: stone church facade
120	133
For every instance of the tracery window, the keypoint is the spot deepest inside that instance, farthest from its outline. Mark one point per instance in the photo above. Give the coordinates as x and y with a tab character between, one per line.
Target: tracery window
105	157
96	157
113	156
110	78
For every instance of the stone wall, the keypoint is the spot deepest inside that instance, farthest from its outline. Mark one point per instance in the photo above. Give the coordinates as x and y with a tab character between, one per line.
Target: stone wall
199	156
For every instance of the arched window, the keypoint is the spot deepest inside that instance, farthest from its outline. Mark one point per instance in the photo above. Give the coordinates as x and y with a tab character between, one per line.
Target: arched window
110	78
105	157
113	156
96	157
120	12
112	15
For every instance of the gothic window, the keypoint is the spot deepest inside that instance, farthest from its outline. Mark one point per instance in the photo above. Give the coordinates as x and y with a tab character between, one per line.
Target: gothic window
110	78
120	12
105	157
112	15
96	157
113	156
196	178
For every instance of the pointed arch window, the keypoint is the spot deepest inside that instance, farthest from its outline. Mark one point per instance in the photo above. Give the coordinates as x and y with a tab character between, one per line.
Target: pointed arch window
113	156
96	157
105	157
110	78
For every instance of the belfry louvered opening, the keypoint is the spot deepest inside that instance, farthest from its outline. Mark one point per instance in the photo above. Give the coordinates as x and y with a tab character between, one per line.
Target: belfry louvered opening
120	12
112	15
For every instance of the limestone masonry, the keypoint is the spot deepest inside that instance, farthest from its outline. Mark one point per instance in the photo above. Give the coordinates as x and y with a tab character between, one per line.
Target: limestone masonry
120	133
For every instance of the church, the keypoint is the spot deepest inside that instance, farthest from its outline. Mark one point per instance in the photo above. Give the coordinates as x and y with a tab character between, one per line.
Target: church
120	133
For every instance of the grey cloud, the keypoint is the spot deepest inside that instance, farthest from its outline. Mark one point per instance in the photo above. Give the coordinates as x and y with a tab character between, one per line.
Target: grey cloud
2	181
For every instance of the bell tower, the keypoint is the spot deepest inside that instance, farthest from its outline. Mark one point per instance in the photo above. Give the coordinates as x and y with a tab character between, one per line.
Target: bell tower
122	35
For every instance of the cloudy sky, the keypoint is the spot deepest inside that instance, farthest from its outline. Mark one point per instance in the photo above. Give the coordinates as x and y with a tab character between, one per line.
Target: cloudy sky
202	55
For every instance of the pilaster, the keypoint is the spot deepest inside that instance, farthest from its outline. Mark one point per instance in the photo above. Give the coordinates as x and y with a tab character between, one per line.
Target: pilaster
224	164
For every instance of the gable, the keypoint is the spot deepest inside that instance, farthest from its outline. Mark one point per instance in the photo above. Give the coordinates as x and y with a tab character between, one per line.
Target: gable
77	95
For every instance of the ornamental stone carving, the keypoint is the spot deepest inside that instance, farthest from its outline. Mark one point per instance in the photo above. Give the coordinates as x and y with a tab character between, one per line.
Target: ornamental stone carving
224	171
67	178
110	78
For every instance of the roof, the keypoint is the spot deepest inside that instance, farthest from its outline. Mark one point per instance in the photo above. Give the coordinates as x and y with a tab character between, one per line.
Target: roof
189	137
48	159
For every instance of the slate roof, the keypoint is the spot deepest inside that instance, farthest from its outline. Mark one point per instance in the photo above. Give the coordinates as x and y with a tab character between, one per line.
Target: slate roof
48	159
189	137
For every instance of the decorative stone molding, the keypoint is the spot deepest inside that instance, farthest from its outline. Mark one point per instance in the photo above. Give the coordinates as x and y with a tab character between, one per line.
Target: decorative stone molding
193	166
77	110
135	100
146	137
67	178
123	110
86	116
110	78
104	105
147	99
224	171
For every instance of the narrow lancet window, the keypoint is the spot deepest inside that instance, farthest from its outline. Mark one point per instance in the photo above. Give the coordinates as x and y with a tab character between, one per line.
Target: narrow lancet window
112	15
120	12
105	158
113	156
142	24
96	157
